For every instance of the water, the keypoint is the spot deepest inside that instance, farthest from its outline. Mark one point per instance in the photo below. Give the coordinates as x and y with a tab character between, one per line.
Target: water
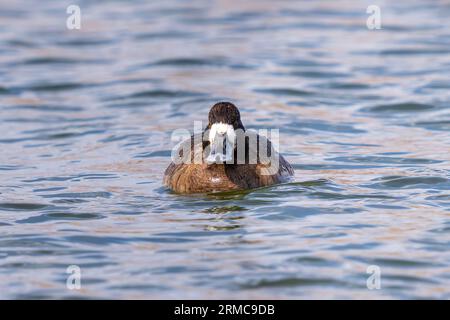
87	115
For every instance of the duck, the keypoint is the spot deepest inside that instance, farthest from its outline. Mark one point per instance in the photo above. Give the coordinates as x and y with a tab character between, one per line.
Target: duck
225	157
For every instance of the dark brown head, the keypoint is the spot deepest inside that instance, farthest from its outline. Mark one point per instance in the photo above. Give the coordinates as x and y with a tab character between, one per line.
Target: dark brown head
225	113
224	120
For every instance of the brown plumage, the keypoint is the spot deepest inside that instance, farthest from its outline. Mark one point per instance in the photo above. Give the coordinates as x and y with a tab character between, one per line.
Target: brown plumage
205	177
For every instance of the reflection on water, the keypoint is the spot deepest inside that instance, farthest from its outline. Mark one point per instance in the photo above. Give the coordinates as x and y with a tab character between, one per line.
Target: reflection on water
86	119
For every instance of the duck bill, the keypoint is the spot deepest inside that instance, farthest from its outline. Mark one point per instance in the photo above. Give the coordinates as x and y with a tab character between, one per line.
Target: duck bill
222	140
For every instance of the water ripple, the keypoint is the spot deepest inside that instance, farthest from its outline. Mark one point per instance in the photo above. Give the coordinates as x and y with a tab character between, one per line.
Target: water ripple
87	117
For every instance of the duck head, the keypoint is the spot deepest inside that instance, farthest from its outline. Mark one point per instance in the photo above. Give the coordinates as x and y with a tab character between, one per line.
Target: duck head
224	119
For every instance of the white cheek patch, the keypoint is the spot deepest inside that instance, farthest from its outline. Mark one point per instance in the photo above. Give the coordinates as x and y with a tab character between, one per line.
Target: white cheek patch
212	133
220	128
221	134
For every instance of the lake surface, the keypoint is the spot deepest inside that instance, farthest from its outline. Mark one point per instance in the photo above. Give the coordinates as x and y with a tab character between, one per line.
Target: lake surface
86	118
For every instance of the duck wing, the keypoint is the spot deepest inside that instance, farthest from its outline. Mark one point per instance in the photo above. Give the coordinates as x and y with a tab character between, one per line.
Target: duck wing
188	174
